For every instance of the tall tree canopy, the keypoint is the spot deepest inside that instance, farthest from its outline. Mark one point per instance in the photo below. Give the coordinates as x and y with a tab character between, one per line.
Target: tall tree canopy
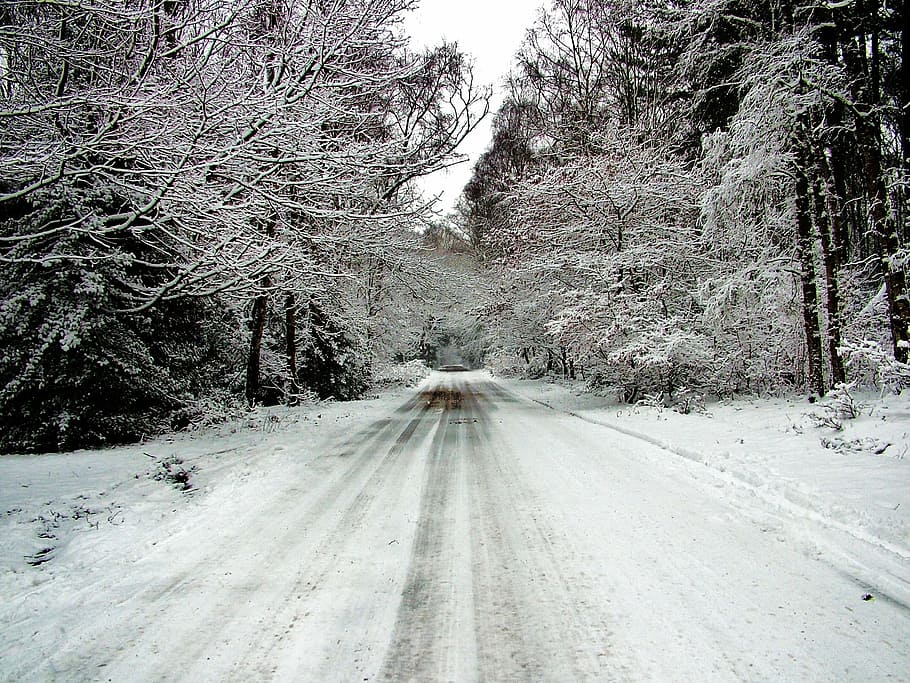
701	193
257	157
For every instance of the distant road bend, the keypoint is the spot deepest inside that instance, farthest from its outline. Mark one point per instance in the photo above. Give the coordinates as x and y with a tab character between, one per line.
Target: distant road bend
472	535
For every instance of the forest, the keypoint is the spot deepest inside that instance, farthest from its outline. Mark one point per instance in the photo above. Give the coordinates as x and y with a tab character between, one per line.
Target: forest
210	204
700	196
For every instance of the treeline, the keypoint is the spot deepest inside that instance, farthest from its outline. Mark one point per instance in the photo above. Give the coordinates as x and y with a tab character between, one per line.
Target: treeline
701	194
202	201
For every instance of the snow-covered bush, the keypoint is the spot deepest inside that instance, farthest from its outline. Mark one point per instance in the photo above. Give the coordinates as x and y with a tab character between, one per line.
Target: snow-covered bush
683	401
76	373
870	365
843	403
657	401
213	408
838	406
687	401
399	374
333	362
866	445
506	362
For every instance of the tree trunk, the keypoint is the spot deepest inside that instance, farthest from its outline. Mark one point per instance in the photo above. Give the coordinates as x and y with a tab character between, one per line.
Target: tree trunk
885	234
830	253
257	329
374	294
886	238
814	376
290	325
896	288
253	362
903	190
905	87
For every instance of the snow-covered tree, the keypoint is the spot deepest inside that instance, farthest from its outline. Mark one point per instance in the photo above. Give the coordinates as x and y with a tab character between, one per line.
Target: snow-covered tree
751	124
257	151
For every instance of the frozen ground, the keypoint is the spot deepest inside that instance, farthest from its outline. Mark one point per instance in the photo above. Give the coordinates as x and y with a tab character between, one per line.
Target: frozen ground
476	529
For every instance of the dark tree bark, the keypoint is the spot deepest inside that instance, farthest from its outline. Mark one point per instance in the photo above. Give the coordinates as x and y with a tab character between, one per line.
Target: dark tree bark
257	330
825	221
254	358
290	324
885	233
814	374
905	86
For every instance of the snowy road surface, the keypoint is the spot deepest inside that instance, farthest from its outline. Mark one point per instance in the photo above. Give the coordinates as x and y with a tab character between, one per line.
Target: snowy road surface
467	535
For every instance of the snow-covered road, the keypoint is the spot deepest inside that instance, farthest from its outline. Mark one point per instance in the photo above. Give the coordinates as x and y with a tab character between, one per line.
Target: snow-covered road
468	534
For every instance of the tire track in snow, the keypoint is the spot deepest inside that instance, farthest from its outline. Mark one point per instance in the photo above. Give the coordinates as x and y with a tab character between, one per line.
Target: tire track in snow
527	619
317	560
535	621
180	635
379	493
433	634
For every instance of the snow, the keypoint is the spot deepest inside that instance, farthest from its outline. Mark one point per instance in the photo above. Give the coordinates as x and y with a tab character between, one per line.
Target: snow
532	532
771	448
103	515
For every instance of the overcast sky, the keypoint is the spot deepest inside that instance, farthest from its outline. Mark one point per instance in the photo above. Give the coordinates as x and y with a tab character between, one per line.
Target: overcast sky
491	32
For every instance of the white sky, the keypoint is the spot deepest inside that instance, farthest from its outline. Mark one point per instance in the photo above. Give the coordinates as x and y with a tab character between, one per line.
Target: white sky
491	32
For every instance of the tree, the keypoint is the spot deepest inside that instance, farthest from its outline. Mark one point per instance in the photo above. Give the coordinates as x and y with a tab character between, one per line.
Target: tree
749	124
130	159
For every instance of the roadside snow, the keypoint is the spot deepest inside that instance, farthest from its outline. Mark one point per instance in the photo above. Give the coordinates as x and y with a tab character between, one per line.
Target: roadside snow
829	485
49	502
